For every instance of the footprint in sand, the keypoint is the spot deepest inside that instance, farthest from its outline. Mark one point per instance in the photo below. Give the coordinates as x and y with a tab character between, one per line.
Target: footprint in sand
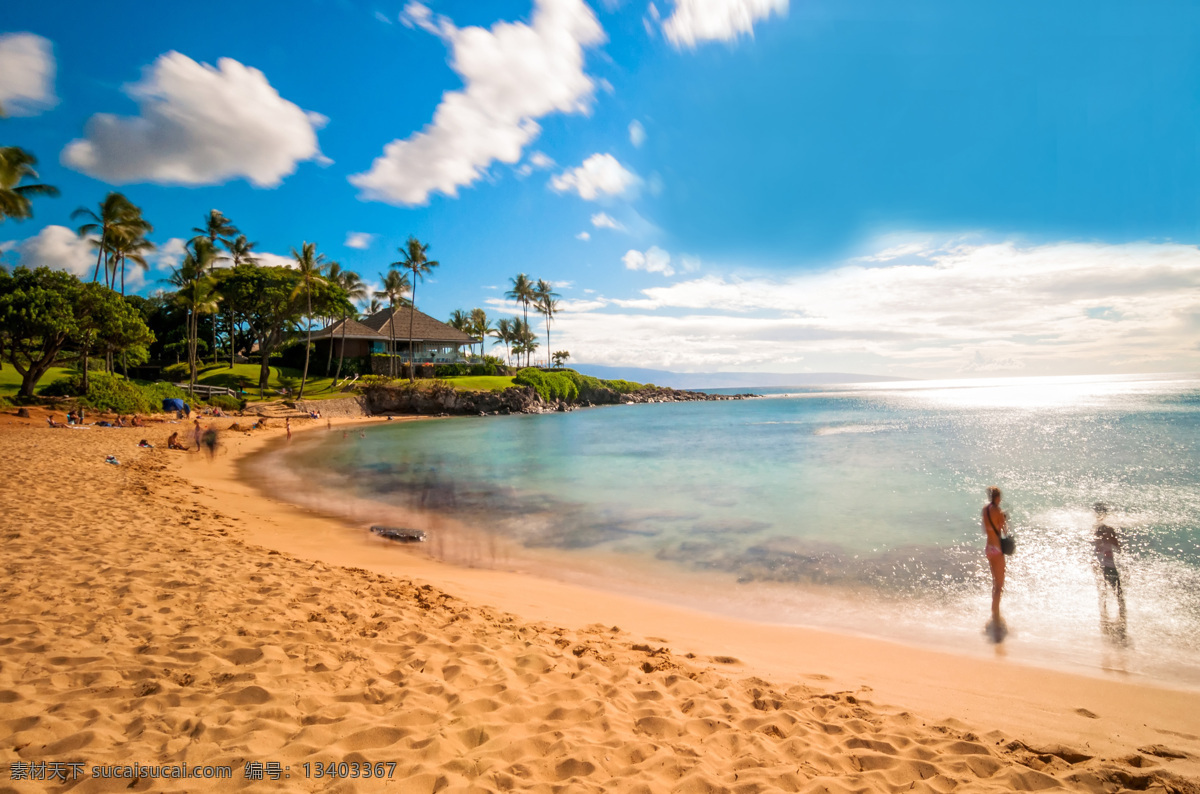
1091	715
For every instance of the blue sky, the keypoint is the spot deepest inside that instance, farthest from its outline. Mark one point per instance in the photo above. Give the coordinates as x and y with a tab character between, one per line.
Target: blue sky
928	189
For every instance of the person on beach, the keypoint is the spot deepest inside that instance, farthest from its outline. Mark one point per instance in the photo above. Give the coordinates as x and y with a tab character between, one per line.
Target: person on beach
288	426
209	441
1106	543
197	433
173	442
995	522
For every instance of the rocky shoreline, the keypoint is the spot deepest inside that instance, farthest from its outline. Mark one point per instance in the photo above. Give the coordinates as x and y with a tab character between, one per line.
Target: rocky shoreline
440	399
427	399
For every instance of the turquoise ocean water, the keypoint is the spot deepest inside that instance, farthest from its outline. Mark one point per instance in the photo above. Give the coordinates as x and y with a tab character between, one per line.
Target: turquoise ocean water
852	507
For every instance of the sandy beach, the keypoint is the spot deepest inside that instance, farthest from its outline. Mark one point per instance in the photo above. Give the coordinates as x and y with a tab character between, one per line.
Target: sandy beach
162	612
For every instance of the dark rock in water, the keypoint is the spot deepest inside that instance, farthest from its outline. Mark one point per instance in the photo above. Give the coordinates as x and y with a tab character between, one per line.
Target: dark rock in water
398	534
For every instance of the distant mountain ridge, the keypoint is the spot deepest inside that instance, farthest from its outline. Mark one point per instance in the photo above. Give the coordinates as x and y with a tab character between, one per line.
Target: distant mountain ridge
724	380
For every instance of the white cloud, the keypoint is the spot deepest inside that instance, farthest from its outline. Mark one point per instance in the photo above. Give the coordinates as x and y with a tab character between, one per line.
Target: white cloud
513	75
1064	308
199	125
384	18
538	161
599	175
170	254
655	260
359	240
26	74
583	236
637	133
696	21
274	260
602	220
58	248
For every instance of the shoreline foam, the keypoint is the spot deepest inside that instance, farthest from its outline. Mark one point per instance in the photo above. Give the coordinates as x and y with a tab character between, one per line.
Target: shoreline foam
161	610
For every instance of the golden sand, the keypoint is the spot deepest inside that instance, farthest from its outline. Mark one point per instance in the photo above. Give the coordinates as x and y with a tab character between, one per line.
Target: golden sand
161	612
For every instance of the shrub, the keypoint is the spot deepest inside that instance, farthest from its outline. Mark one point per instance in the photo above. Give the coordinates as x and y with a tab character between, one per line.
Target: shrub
450	370
623	386
483	368
550	386
178	371
156	392
225	402
105	393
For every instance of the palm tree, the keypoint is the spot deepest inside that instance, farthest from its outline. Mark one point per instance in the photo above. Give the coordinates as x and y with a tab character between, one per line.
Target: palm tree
311	267
128	243
17	164
196	294
481	327
241	252
217	229
412	257
504	333
118	215
522	293
355	290
546	300
374	307
460	320
395	284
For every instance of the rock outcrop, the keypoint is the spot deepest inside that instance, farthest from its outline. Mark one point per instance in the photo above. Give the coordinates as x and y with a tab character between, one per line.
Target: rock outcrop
434	399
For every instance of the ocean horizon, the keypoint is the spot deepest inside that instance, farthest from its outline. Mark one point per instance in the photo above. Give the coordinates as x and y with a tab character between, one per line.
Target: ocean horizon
851	507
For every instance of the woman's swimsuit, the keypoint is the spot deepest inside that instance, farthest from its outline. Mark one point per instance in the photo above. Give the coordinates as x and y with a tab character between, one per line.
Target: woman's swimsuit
989	549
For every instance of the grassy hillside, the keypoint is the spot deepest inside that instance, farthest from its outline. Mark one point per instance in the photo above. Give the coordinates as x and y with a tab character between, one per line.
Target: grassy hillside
10	379
245	376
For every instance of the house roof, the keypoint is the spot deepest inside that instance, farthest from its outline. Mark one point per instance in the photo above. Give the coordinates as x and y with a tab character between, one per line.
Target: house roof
354	330
378	327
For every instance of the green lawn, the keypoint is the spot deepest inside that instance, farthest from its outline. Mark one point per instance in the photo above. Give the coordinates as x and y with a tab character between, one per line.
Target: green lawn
10	379
246	376
480	382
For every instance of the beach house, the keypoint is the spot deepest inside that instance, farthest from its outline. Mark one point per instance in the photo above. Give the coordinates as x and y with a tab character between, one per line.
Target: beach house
387	333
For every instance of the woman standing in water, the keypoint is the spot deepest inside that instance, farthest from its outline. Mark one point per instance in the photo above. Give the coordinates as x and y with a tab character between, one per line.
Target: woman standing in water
994	522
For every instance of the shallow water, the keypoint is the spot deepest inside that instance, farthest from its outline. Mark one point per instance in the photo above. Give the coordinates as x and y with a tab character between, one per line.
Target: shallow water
854	507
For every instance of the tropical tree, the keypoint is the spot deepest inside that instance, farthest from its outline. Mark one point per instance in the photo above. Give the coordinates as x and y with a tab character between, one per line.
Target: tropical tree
355	290
480	327
395	284
460	320
16	164
128	243
195	293
37	318
106	323
311	267
524	340
118	217
560	358
546	301
374	307
413	258
504	333
217	229
241	252
522	292
264	297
